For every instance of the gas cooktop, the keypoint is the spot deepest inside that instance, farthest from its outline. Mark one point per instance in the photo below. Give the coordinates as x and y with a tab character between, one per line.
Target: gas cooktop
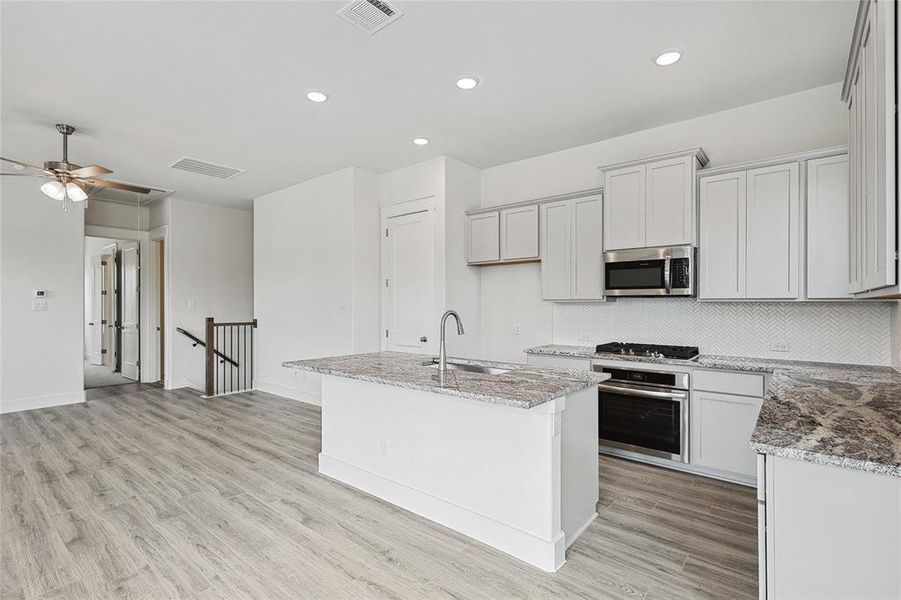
652	350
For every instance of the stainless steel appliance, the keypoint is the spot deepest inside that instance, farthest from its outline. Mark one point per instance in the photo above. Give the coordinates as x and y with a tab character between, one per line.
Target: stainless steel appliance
643	412
666	271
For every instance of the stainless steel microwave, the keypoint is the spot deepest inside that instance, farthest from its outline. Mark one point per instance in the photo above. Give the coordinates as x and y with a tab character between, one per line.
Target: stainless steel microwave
666	271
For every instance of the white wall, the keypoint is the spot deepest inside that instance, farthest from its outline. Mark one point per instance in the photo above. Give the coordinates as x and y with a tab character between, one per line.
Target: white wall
210	257
41	353
316	276
512	295
114	214
158	213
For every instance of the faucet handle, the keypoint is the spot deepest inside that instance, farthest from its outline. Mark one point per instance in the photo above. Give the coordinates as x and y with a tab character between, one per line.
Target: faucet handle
423	339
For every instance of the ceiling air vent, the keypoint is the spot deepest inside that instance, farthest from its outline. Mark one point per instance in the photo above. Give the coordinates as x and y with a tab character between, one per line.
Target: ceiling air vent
370	15
202	167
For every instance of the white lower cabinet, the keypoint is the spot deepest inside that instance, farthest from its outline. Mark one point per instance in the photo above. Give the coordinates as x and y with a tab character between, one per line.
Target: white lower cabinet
570	236
827	531
720	433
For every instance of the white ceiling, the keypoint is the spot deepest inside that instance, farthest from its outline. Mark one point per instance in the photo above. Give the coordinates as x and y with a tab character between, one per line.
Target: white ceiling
148	83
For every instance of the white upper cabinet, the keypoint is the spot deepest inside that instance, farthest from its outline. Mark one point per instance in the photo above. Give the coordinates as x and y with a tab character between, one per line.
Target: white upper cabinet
870	89
722	238
651	202
519	233
773	232
827	227
624	208
556	250
669	202
483	237
588	282
571	249
750	232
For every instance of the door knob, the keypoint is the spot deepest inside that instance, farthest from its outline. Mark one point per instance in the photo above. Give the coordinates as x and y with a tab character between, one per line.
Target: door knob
423	339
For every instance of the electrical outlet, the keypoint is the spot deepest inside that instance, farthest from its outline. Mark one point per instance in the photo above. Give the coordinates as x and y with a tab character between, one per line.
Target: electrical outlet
39	304
517	329
385	448
584	337
777	346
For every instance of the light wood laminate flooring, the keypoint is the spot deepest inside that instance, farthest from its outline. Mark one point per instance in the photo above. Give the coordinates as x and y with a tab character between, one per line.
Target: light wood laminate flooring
147	493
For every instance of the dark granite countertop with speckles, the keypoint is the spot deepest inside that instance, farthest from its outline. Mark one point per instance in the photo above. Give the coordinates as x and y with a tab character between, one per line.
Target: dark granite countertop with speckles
842	415
521	386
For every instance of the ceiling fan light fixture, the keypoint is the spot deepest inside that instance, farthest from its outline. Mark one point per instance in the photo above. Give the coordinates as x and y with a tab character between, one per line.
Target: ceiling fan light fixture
54	189
75	192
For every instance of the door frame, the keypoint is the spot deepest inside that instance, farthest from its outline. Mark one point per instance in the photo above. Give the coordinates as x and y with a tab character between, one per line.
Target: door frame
160	234
399	209
148	345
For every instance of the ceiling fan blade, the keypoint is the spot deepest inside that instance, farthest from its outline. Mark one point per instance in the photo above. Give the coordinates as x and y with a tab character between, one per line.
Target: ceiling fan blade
117	185
26	165
90	171
22	174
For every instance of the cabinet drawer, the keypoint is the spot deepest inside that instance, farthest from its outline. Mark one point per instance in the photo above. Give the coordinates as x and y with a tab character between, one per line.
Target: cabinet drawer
728	383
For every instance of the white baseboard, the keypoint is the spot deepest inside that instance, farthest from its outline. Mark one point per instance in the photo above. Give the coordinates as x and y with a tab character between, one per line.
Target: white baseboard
547	555
288	392
580	530
18	404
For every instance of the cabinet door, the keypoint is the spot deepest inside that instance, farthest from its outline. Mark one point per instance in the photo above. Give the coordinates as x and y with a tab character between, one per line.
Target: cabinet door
721	426
855	283
519	233
482	237
879	220
587	260
556	250
624	208
827	227
722	244
669	202
773	232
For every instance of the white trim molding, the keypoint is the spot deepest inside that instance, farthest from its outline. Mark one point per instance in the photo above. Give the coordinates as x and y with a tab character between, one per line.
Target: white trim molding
288	392
20	404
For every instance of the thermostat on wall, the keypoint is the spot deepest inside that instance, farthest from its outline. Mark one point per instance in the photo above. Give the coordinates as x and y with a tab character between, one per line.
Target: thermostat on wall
40	293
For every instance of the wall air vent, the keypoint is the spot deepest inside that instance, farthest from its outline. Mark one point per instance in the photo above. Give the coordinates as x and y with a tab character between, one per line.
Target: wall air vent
370	15
202	167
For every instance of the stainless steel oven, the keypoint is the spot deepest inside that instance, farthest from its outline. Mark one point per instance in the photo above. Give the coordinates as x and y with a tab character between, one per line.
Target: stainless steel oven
643	412
665	271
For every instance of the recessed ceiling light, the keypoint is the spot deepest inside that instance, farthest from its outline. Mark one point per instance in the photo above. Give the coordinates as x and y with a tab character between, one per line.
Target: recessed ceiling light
665	59
317	96
467	83
420	141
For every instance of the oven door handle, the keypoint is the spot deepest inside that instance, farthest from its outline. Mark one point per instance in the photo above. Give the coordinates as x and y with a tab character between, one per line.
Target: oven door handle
647	393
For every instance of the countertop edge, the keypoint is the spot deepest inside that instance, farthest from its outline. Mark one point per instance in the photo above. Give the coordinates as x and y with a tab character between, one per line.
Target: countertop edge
487	398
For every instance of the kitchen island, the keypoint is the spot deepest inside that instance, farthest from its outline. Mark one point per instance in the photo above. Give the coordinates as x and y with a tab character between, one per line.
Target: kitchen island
506	454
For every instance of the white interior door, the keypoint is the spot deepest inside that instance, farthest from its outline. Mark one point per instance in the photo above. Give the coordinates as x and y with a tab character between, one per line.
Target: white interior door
410	282
95	311
130	311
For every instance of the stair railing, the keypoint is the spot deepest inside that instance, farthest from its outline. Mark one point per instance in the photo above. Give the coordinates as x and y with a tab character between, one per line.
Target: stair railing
233	341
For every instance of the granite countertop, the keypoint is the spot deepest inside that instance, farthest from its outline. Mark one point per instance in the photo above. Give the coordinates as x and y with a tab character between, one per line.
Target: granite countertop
843	415
521	387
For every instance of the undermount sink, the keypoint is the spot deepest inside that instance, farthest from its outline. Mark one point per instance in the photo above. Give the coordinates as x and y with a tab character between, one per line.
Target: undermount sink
455	365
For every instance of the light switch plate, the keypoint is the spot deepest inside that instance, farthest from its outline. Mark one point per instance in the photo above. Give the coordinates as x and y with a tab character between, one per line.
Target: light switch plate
778	346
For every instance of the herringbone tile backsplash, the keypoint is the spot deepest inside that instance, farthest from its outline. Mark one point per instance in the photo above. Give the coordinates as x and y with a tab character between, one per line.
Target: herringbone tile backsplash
857	332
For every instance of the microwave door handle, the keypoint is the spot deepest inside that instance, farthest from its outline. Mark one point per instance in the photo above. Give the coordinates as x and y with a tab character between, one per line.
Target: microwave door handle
647	393
666	275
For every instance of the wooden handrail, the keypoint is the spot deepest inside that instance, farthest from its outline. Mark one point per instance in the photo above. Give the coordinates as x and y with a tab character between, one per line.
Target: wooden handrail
197	341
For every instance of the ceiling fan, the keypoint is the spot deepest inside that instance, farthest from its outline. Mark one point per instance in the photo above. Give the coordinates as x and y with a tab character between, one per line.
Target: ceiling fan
69	181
